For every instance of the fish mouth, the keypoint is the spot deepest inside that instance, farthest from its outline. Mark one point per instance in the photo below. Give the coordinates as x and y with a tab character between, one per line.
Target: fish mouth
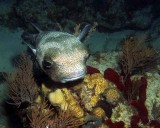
64	80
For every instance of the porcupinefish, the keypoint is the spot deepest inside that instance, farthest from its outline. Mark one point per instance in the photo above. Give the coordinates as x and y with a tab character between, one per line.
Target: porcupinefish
62	56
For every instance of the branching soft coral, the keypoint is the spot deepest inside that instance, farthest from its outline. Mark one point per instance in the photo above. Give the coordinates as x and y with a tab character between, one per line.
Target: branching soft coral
22	85
137	57
39	115
65	119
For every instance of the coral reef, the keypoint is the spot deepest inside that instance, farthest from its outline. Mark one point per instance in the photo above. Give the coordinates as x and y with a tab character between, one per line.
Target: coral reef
137	102
83	99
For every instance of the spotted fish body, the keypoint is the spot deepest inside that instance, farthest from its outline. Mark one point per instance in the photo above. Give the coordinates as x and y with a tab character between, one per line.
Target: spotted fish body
61	56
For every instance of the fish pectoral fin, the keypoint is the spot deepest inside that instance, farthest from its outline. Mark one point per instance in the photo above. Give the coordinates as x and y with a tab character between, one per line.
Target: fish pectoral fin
34	51
84	32
28	39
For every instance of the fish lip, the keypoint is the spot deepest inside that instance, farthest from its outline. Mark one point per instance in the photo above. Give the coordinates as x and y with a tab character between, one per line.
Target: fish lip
72	78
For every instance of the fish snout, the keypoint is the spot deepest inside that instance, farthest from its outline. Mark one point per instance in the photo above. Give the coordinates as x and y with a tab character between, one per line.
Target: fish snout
74	75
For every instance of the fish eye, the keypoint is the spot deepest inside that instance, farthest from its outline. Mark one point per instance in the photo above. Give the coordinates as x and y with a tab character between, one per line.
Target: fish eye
47	64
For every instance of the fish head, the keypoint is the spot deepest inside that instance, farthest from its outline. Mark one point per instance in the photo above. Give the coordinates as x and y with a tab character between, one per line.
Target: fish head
64	63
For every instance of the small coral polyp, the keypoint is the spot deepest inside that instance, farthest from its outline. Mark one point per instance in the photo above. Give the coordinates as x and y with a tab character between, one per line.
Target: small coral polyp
99	112
112	95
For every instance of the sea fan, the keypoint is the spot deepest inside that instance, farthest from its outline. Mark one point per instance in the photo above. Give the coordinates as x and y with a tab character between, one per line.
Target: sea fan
137	57
22	85
39	115
65	119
